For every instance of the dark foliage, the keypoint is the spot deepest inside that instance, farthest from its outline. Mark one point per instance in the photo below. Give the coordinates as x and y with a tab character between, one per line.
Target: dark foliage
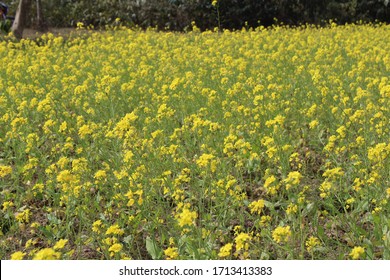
233	14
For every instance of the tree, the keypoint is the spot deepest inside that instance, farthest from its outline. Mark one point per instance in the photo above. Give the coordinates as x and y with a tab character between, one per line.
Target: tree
41	24
22	11
20	18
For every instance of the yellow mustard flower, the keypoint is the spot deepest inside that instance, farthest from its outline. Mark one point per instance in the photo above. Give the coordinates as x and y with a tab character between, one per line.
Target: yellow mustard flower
47	254
96	226
256	206
18	255
171	253
225	250
242	240
23	217
293	179
187	217
115	248
312	243
60	244
7	204
100	175
204	160
5	170
115	230
357	252
281	234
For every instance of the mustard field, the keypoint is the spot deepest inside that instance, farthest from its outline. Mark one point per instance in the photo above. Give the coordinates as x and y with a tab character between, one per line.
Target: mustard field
270	143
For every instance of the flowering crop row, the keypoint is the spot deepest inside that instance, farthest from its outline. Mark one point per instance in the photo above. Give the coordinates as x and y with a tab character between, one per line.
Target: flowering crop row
261	144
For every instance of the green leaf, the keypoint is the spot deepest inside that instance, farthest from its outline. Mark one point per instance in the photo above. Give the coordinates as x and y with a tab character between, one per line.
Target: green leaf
309	209
154	251
268	204
321	232
128	239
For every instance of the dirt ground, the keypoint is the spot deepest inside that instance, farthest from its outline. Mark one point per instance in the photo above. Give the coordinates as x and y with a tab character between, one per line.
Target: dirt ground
33	33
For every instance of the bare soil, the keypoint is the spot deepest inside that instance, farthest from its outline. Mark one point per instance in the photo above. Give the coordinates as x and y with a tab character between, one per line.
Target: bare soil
33	33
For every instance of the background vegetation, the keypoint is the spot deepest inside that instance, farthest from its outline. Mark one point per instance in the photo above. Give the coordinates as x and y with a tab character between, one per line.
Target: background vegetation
233	14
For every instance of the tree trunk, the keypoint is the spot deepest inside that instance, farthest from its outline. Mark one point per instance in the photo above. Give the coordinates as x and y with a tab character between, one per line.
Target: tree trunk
41	24
20	18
